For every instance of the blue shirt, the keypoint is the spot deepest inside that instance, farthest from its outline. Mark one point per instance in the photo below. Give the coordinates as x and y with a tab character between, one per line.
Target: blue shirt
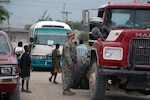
82	50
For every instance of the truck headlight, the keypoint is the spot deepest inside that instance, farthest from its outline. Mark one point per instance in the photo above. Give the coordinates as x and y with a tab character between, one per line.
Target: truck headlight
108	53
113	53
6	70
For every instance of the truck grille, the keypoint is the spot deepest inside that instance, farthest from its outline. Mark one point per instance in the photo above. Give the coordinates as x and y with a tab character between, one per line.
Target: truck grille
140	52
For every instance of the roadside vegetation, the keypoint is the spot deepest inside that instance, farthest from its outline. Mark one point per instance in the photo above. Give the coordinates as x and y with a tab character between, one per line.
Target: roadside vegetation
4	14
74	25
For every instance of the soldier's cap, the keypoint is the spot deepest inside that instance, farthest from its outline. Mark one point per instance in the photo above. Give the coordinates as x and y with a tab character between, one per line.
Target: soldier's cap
69	33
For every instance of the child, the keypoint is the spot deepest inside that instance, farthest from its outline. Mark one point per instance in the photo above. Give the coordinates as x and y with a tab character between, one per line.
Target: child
56	63
18	59
25	65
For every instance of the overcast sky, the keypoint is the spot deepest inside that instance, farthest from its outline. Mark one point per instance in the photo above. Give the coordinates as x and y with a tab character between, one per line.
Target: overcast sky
29	11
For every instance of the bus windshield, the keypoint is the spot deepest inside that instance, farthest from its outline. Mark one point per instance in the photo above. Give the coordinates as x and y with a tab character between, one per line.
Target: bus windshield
133	18
46	36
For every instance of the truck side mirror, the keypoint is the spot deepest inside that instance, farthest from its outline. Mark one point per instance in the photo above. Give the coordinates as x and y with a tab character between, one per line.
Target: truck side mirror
85	17
31	39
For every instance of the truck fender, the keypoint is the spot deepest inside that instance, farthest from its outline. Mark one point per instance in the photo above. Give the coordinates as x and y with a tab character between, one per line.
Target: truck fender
93	57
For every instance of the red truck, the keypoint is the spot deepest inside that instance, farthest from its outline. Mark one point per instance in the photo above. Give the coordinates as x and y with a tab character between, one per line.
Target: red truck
120	54
9	81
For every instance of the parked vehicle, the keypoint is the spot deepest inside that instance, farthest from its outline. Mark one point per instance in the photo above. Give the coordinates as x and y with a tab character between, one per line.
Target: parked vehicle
9	81
120	54
43	37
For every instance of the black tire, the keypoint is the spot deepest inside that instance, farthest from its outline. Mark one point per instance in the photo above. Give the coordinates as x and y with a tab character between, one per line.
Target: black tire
97	83
76	78
14	95
85	79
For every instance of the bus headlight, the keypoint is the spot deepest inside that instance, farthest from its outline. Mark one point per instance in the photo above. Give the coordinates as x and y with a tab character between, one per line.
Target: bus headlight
113	53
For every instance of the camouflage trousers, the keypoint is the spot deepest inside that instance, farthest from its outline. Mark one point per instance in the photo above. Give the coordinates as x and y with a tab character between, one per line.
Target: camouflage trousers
67	76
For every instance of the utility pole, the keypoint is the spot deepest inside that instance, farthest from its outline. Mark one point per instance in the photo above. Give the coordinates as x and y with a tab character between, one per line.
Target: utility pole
65	13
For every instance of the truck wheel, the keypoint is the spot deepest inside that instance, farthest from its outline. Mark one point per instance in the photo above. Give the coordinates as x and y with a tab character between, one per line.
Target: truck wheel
85	78
77	77
14	95
97	84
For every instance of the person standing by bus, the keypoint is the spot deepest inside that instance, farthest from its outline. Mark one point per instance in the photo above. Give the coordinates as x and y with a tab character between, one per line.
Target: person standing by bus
82	52
18	51
69	61
25	65
55	63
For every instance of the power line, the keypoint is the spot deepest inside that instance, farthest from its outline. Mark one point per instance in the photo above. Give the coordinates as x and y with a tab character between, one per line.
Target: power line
44	6
23	17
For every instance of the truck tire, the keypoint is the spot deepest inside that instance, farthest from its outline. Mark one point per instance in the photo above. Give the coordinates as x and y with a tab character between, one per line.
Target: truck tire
85	79
77	78
14	95
97	83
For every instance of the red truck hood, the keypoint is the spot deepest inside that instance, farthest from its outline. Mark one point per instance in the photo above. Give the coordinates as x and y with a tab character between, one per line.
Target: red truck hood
7	59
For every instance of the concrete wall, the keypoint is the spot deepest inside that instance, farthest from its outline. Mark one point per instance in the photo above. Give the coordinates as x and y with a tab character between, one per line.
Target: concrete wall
17	35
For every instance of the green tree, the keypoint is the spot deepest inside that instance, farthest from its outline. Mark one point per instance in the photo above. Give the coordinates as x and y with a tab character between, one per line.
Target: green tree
77	26
4	14
27	27
83	36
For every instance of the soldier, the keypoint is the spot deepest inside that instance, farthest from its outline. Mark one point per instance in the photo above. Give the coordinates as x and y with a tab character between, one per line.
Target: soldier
69	61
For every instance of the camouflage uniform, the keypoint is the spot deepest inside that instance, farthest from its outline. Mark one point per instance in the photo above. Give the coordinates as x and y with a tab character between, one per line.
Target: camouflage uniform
69	57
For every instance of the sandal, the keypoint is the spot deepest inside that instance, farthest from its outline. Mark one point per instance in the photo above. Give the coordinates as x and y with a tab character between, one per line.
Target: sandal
50	79
55	82
23	90
28	91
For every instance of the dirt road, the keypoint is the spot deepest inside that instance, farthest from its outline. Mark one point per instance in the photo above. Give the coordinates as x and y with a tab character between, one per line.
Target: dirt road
42	89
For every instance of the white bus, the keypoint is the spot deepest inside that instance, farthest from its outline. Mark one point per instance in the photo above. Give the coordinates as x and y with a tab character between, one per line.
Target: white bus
43	37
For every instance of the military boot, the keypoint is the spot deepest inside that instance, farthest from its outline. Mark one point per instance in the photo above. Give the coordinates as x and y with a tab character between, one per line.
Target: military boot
73	93
67	92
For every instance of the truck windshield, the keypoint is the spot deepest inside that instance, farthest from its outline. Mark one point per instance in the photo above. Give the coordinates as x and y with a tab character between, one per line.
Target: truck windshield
47	36
128	18
4	48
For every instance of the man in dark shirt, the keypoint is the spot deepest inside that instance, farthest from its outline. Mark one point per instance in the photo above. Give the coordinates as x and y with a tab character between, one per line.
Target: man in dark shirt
25	65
